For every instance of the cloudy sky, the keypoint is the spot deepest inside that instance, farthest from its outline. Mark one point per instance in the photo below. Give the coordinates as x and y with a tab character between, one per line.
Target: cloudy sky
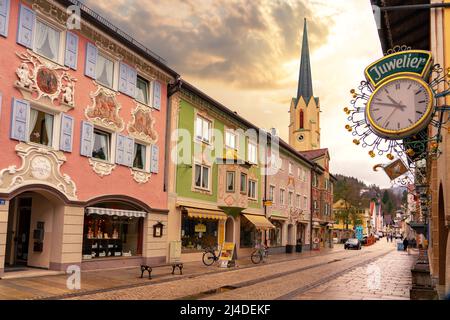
245	54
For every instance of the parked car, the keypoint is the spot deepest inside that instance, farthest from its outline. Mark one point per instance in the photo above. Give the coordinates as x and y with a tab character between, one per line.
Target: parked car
352	243
335	240
377	237
364	240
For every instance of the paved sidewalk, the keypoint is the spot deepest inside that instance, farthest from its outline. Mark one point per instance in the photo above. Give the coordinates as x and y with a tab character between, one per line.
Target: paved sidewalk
388	278
91	281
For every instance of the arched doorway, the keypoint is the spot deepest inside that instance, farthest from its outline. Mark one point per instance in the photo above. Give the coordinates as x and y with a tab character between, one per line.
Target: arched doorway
34	230
229	230
443	235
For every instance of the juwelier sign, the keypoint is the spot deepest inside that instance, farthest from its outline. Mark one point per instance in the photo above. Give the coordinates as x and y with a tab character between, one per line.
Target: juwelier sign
413	62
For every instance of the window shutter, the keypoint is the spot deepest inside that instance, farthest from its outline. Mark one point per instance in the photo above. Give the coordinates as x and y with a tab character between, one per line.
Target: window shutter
71	55
123	78
129	151
19	119
156	95
27	18
87	139
4	17
91	60
154	166
132	77
120	149
66	139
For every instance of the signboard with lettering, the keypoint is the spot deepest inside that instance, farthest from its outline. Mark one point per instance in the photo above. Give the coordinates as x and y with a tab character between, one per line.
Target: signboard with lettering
412	62
200	227
227	251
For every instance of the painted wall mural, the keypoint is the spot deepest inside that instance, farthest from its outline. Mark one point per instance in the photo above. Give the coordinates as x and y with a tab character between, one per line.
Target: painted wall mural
105	109
141	126
42	79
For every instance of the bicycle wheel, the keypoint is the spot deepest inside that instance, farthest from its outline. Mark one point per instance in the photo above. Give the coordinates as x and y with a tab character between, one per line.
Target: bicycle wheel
208	258
256	257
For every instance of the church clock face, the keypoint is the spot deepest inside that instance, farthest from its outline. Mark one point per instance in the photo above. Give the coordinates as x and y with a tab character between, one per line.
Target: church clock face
400	107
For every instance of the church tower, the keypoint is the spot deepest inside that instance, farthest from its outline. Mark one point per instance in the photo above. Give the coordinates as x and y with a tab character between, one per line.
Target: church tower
304	127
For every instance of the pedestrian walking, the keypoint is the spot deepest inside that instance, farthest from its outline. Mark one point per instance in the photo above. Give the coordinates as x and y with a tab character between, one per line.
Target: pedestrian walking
405	244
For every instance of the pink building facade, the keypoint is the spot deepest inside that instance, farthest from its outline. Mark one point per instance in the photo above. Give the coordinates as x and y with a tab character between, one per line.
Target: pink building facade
289	191
82	142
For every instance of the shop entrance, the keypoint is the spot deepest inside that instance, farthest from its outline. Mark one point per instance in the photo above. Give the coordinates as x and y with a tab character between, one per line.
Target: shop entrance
229	230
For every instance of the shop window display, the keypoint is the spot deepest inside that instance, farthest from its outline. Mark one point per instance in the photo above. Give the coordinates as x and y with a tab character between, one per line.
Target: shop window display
198	234
250	236
275	234
112	236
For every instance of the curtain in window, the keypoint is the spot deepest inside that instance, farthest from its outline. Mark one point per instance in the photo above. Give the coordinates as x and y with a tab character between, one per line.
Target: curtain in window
33	120
47	41
205	178
141	91
49	128
197	176
143	156
101	147
104	70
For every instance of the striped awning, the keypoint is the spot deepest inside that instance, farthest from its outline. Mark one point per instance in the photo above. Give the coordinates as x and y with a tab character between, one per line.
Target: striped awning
260	222
277	217
116	212
206	214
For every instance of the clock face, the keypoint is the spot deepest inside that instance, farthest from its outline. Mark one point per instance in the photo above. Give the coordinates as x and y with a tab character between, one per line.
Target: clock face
400	107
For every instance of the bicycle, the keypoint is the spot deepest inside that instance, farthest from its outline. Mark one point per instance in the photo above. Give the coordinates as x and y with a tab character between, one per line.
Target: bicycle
261	253
209	257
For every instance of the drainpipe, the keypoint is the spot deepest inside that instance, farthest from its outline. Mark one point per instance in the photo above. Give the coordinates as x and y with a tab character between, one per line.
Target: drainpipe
171	90
311	209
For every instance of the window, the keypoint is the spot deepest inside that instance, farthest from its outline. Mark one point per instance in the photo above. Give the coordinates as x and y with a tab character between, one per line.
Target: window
142	90
202	176
47	41
290	198
101	145
41	127
272	193
315	205
139	156
326	184
252	152
299	172
230	181
203	129
298	203
230	140
305	203
314	182
104	70
252	189
243	183
275	234
302	120
290	168
282	197
198	234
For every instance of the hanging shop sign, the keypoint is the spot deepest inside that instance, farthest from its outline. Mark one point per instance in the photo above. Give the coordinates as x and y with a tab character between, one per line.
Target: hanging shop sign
401	103
200	227
413	62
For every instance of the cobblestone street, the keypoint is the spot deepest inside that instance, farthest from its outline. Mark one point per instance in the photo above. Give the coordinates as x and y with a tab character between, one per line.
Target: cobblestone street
375	272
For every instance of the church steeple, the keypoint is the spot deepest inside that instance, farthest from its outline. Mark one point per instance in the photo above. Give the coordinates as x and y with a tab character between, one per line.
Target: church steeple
305	88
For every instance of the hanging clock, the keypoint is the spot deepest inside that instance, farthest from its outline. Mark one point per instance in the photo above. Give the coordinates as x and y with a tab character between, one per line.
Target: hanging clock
400	107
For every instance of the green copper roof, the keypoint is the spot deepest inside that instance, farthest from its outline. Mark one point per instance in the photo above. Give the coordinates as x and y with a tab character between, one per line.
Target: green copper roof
305	88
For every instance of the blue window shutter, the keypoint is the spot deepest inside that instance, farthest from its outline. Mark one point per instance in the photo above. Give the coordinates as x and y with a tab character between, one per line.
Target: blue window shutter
91	60
27	19
123	78
87	139
120	149
156	95
71	55
19	119
66	138
129	151
4	17
132	77
154	165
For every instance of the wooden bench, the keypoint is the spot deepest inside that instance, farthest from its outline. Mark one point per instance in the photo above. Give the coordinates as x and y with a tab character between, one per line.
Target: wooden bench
148	268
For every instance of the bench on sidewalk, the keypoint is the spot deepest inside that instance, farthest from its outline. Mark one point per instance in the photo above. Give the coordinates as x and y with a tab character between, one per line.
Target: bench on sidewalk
148	268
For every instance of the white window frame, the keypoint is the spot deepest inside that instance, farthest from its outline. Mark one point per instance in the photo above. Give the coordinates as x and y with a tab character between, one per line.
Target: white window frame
232	133
298	201
116	67
250	154
290	199
149	90
272	189
290	168
282	194
56	126
208	188
234	181
62	37
240	183
255	189
148	148
112	144
203	121
305	202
